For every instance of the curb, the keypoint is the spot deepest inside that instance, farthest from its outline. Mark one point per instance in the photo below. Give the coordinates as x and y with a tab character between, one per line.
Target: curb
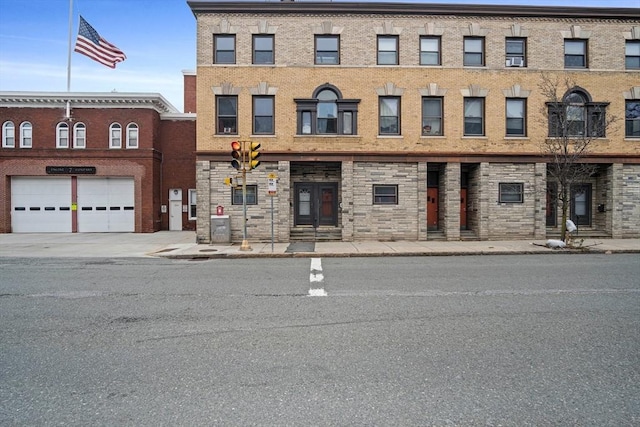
199	256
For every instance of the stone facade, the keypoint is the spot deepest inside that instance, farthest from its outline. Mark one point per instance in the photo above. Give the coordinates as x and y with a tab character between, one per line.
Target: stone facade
469	169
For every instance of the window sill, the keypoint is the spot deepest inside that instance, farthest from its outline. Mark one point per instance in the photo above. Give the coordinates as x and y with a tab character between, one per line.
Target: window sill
324	136
632	138
262	136
520	137
475	137
390	137
432	136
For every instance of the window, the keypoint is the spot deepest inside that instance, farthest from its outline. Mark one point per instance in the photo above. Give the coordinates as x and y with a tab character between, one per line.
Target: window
385	194
115	136
431	116
224	49
575	53
263	49
632	55
132	135
26	132
252	195
429	50
473	51
8	135
327	113
327	49
511	192
387	50
577	116
473	116
62	135
192	203
263	114
227	115
79	135
632	119
515	52
389	115
516	113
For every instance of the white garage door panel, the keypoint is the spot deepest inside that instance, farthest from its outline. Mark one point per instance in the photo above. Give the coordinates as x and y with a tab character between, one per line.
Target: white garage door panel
41	205
106	205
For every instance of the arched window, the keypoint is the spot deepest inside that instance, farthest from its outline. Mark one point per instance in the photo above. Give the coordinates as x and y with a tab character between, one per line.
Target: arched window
8	135
79	135
115	135
132	135
62	135
327	113
577	116
26	132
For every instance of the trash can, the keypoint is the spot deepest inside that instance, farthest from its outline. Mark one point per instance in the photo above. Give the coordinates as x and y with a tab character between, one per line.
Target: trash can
220	229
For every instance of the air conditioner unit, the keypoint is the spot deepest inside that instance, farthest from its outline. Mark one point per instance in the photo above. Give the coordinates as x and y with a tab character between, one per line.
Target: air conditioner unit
516	61
227	130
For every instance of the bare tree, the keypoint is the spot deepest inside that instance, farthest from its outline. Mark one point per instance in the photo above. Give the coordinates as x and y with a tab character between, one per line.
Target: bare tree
575	122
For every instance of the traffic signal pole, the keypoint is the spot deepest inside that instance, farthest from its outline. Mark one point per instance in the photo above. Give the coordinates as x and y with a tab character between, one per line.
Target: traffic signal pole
245	153
245	243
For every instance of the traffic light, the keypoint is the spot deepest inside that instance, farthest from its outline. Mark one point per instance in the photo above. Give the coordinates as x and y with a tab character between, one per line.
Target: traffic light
237	155
253	155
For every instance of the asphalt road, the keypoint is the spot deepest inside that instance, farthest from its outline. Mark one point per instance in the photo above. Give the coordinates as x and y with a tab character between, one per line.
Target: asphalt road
464	341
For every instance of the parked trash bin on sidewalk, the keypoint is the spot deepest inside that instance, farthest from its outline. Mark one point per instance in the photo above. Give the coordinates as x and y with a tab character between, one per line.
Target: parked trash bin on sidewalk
220	229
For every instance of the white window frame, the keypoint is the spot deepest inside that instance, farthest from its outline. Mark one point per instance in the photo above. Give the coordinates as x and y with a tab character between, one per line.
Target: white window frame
26	135
79	135
133	136
115	142
193	198
62	141
8	134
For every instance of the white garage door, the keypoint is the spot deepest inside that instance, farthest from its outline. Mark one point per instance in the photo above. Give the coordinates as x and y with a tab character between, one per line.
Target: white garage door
106	205
41	205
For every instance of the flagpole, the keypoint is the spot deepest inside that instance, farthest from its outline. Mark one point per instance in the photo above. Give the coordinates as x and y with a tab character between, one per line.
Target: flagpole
69	57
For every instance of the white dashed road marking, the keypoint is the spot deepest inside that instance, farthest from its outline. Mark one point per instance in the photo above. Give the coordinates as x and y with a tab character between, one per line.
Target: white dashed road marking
316	279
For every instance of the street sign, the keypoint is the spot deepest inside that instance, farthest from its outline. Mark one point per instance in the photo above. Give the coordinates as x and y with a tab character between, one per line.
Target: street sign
272	184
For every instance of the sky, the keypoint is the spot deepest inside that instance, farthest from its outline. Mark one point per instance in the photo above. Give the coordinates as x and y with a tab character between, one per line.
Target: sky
158	37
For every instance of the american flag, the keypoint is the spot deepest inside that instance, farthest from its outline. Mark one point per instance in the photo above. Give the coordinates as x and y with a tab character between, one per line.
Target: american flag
90	43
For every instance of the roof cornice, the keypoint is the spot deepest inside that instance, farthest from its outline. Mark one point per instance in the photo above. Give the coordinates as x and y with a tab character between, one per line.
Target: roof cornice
385	8
153	101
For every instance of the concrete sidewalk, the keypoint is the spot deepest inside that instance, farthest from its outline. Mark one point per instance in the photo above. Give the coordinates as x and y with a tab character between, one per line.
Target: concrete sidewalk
182	245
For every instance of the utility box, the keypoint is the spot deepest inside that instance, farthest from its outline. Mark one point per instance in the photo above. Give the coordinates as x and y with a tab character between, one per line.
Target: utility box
220	229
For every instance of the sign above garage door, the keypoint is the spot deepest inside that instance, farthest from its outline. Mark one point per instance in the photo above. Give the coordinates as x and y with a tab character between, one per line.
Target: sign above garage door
71	170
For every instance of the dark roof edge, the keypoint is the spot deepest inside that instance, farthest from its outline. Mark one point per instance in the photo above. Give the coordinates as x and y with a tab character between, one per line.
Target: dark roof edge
208	6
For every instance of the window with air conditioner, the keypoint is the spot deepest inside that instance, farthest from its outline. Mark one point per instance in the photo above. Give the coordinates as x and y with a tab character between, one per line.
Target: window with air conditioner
515	51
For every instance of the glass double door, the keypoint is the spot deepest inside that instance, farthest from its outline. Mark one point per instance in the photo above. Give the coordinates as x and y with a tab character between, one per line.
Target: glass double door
316	203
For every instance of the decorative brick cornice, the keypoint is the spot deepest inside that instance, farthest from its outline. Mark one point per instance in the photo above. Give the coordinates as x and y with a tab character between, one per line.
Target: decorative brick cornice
411	9
152	101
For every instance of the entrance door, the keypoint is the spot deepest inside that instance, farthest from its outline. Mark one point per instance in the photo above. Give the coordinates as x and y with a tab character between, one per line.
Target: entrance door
316	203
581	204
463	209
432	209
175	209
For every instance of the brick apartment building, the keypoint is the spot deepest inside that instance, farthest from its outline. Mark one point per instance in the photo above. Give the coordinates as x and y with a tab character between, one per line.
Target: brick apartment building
413	121
110	162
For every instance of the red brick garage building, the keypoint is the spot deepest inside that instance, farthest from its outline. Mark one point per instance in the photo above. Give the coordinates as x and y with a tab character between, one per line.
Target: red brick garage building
95	162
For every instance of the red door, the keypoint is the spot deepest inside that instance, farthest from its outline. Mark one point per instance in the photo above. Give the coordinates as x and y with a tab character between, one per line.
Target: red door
432	208
463	208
